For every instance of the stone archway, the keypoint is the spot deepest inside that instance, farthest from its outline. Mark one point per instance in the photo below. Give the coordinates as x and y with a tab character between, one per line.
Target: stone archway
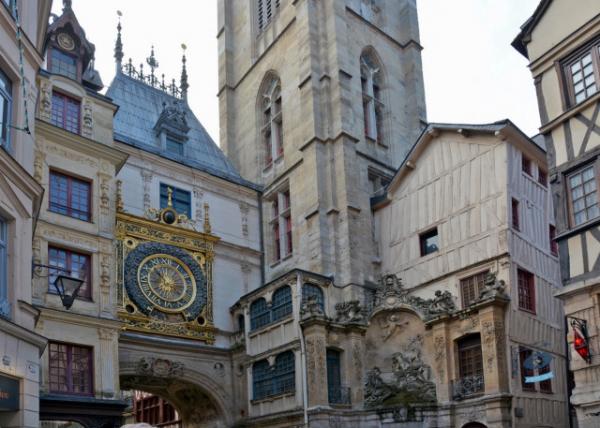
201	402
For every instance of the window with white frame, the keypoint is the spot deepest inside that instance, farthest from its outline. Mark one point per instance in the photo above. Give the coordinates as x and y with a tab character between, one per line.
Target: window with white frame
373	107
266	9
272	123
4	305
281	225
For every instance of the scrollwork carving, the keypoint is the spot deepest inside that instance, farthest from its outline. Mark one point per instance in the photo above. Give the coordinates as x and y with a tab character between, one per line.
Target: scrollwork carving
349	312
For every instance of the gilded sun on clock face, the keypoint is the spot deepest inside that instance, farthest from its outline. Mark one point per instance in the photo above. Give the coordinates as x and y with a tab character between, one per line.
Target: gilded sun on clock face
65	41
167	282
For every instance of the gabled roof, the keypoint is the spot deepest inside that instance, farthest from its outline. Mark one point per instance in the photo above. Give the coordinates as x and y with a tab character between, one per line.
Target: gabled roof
140	106
429	133
524	36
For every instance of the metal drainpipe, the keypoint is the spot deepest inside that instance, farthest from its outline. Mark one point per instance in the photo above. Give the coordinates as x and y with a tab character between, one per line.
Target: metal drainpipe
302	349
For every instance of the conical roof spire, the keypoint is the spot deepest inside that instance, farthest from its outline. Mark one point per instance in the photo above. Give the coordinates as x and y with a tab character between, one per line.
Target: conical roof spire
119	44
183	85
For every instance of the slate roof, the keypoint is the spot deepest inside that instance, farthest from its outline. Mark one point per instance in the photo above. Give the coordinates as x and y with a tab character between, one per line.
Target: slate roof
140	105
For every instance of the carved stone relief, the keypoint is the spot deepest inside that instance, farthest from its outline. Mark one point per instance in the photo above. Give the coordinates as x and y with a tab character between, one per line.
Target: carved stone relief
244	210
45	109
87	128
349	312
146	181
439	347
493	341
158	367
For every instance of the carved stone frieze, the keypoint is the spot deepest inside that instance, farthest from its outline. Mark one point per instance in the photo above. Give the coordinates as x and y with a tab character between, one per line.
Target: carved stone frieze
349	312
158	367
392	295
45	106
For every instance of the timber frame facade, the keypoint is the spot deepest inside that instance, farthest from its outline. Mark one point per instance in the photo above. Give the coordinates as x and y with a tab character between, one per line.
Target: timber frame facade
562	44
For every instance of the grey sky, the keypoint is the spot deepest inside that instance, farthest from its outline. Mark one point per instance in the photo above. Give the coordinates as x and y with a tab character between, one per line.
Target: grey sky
472	74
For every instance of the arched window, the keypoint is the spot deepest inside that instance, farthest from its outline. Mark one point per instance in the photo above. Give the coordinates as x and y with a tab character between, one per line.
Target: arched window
262	384
259	314
373	108
310	290
272	124
282	303
284	379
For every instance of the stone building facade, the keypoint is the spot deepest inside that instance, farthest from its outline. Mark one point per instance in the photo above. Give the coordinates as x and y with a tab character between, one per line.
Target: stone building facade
22	29
562	46
76	162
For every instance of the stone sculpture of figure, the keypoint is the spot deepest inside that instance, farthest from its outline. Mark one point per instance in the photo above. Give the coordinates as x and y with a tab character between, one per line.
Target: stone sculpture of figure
492	287
390	325
311	306
376	390
442	303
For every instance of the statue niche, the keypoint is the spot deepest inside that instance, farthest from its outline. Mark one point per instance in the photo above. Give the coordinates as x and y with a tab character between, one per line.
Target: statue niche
399	372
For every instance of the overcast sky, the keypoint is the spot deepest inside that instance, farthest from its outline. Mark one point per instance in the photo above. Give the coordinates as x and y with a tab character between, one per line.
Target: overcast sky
472	74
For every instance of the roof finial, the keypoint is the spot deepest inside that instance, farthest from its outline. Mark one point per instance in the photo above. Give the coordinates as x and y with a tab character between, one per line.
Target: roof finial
153	63
183	85
119	44
67	5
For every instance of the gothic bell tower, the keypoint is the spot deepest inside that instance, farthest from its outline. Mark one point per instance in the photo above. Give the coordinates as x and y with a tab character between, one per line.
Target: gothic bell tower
319	102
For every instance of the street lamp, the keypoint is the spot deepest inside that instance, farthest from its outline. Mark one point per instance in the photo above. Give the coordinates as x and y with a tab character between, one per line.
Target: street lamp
66	286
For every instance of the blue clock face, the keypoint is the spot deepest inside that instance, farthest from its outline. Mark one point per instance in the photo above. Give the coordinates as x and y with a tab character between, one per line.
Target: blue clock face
163	280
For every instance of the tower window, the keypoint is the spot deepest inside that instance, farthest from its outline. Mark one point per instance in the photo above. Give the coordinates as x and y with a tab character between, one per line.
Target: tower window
373	107
63	64
272	123
266	9
281	225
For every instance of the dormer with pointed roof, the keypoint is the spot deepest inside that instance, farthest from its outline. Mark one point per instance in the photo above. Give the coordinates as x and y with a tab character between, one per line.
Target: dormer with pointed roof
68	51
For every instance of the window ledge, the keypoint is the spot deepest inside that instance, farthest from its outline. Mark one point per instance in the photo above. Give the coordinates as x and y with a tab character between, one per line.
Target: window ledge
273	397
271	326
529	311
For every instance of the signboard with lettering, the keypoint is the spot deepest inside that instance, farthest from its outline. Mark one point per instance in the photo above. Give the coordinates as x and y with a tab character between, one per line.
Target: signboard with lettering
9	394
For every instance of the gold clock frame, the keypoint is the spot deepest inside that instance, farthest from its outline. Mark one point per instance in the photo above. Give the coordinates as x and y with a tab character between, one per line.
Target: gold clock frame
132	230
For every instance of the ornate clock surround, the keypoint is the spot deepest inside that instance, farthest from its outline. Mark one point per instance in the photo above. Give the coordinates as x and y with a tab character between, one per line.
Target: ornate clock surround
164	277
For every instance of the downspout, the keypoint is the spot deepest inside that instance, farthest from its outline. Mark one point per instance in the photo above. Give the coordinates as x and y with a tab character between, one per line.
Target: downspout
262	241
302	349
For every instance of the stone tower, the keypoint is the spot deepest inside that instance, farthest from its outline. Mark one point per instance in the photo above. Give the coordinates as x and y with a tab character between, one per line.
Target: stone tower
319	102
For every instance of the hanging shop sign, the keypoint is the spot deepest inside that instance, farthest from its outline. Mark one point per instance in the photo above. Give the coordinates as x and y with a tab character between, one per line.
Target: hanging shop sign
538	361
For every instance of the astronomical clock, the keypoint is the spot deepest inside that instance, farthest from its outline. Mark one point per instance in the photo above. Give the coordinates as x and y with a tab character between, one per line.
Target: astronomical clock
164	274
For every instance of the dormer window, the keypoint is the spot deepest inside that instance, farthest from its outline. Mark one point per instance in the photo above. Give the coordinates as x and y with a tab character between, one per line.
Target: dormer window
63	64
175	147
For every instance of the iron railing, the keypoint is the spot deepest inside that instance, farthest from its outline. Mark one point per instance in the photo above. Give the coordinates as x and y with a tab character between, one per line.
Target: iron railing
468	386
340	395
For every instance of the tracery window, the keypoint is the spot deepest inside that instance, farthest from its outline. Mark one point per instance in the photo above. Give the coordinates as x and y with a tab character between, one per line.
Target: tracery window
272	123
281	225
266	10
310	290
373	107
